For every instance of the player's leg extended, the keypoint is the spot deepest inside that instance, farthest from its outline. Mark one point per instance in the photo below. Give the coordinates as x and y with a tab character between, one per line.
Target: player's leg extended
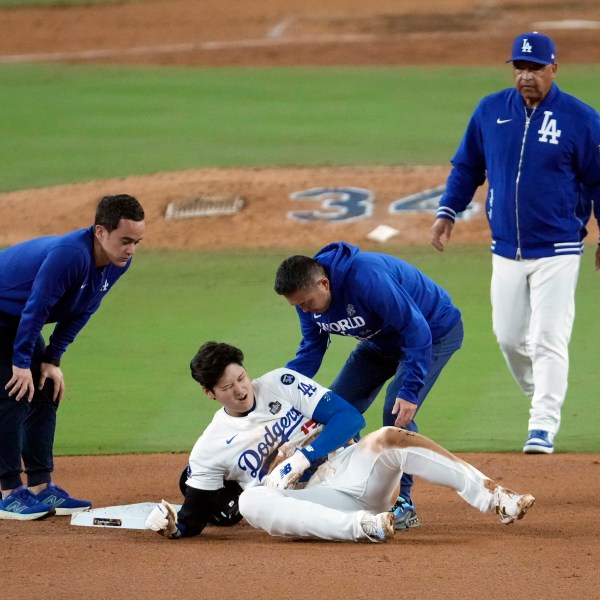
386	452
552	284
511	315
318	512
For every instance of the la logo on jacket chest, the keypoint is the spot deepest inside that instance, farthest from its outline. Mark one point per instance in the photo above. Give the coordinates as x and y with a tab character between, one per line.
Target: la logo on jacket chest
549	131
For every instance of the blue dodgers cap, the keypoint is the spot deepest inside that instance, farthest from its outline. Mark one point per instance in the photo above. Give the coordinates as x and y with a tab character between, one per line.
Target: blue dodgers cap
534	47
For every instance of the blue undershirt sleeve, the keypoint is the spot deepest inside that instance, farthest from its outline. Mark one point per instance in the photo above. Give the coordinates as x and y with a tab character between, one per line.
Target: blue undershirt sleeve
342	422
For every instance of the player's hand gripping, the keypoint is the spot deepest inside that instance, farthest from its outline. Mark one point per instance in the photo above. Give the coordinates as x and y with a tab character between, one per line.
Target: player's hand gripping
163	520
405	410
288	472
441	232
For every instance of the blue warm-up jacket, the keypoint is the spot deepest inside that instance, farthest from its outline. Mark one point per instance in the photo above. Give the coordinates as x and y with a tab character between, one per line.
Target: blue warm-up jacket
51	280
542	167
383	301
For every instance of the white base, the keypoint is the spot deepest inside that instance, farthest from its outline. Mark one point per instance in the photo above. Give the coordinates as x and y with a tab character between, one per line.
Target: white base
126	516
382	233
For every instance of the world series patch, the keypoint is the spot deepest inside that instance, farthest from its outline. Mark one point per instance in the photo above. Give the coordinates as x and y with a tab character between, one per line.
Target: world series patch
274	407
287	379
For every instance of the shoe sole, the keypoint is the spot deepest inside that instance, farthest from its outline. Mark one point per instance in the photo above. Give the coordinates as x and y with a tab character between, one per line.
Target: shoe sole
537	450
10	516
412	523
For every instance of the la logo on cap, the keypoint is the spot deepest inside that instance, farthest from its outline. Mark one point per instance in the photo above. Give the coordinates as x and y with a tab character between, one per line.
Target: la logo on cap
526	47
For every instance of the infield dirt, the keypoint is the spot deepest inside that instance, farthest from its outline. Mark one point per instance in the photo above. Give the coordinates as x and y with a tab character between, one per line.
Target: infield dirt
457	553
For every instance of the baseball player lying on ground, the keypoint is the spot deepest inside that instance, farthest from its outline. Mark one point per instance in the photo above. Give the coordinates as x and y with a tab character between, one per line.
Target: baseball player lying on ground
284	439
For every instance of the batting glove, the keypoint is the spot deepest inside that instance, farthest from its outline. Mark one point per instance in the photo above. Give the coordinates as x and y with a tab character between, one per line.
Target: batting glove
163	520
287	473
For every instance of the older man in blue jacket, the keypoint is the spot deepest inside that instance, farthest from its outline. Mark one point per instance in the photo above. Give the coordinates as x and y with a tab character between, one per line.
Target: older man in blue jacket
539	149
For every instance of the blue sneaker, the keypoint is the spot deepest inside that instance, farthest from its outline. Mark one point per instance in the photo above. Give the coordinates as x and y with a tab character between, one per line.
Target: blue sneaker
539	442
22	505
405	514
61	501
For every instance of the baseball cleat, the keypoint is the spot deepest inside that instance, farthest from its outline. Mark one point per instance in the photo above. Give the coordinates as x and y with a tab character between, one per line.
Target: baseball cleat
405	515
378	528
22	505
539	442
63	503
511	506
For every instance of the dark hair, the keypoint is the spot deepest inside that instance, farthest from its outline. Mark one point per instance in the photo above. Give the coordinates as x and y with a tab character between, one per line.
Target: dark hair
211	360
111	209
297	273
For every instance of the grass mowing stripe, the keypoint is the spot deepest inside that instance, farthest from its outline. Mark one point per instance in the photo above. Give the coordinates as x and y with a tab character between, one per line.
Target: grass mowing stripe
129	387
65	124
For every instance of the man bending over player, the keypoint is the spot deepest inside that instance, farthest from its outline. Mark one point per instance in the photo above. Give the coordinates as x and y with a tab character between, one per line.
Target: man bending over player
285	440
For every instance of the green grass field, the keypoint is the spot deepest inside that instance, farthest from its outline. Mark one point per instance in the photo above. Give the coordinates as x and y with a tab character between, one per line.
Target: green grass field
129	388
66	124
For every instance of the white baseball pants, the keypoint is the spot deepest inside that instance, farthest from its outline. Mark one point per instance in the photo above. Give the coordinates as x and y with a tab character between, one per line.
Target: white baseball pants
533	309
364	477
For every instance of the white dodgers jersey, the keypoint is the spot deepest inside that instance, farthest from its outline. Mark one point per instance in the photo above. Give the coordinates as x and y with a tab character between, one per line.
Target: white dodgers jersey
242	448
